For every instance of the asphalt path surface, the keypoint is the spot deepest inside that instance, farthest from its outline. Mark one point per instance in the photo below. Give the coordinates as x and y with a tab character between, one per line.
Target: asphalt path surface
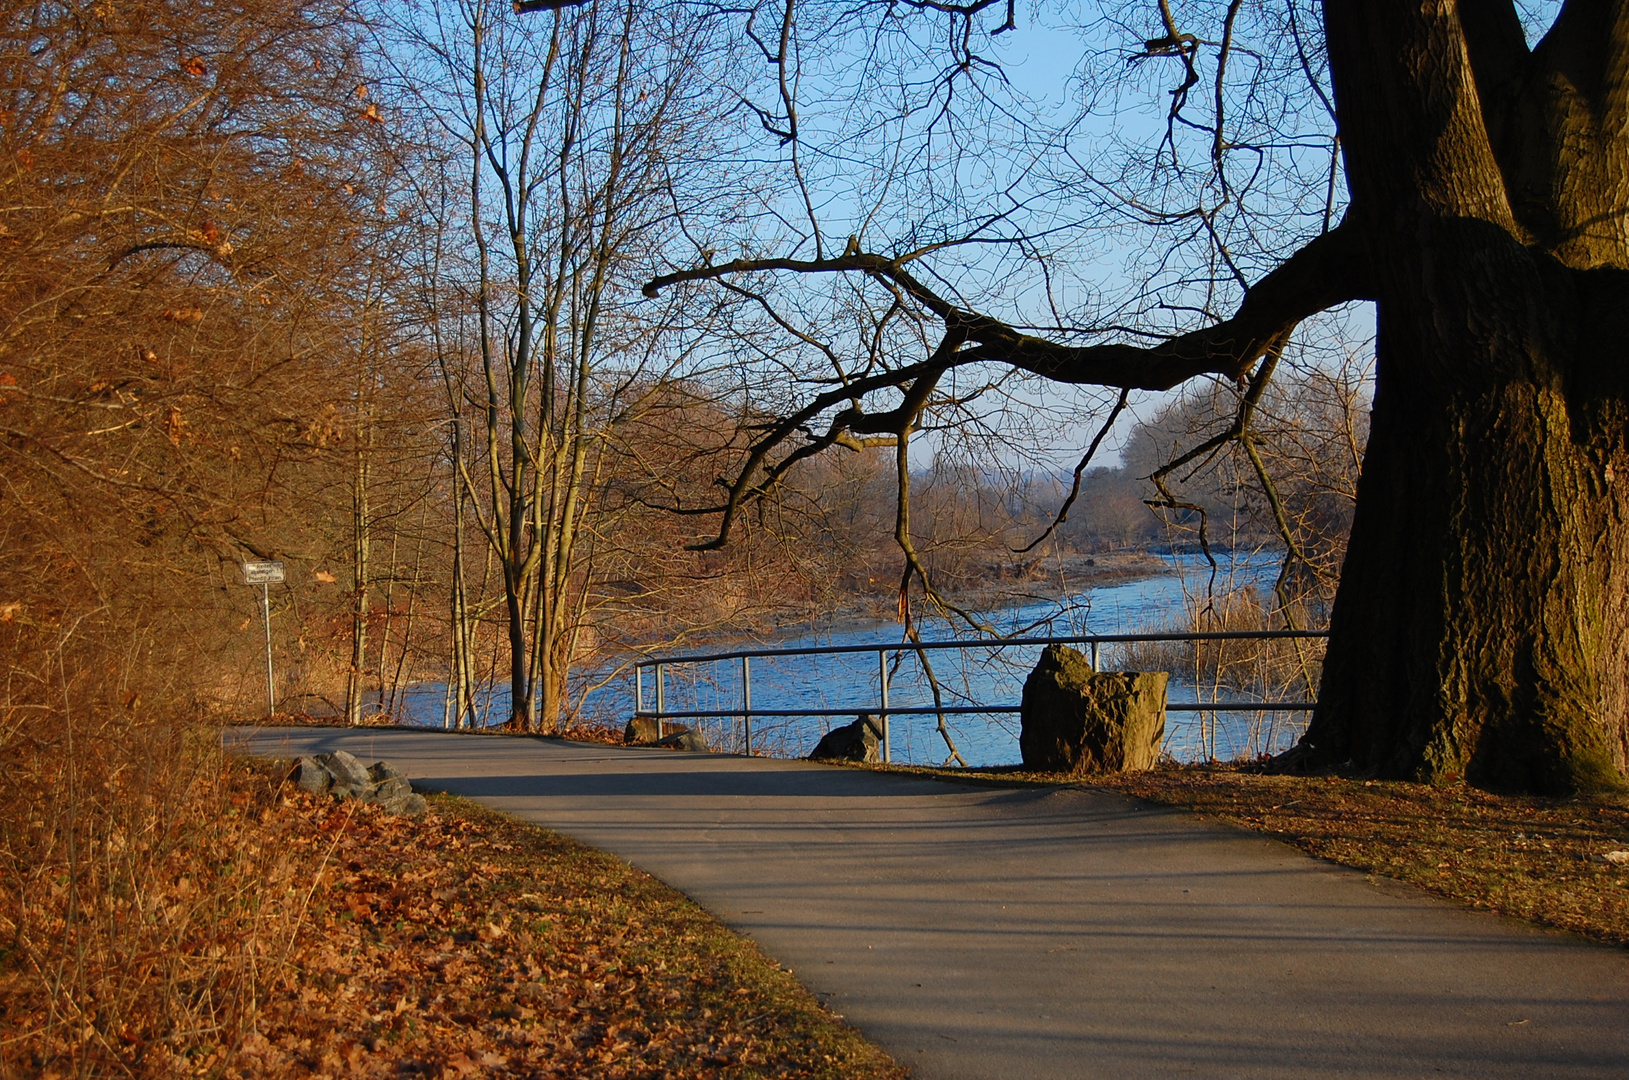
996	933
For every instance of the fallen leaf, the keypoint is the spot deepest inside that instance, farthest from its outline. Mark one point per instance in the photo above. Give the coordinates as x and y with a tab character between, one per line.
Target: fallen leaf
175	426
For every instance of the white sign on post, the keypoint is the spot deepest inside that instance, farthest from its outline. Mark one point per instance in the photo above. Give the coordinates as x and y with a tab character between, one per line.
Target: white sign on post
262	573
265	574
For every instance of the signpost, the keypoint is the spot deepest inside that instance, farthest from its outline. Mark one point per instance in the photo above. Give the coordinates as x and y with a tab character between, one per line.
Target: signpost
265	574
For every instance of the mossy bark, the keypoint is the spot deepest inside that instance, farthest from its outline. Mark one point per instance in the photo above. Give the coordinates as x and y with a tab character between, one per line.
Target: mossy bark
1480	627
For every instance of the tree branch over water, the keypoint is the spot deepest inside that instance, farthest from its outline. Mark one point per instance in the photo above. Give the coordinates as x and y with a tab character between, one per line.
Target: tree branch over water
1328	271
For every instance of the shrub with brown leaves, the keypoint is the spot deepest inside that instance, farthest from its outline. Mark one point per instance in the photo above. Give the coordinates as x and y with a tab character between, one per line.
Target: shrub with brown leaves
147	893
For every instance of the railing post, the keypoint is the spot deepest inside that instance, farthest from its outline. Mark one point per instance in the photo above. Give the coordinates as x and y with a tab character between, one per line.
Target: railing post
746	702
661	699
638	689
1094	657
882	708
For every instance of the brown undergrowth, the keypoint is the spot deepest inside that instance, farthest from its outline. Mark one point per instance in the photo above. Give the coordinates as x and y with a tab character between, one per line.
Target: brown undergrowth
147	894
167	912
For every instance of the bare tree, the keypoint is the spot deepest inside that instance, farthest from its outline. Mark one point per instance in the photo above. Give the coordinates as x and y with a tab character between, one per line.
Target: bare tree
575	133
1421	157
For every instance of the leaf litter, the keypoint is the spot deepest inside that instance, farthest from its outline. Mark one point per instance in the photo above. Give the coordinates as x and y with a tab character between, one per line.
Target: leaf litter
465	943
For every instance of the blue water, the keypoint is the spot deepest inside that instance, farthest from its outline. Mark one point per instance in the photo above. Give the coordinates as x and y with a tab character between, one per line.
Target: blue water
978	675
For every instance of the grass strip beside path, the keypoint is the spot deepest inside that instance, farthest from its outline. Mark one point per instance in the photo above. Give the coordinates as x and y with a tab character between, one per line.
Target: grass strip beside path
467	943
1534	858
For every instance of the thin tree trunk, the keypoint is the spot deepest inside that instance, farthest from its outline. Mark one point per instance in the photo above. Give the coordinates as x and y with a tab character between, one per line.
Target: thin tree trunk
359	565
398	678
389	613
462	709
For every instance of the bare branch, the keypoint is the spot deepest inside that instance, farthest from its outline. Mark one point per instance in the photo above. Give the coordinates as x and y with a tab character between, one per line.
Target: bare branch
1330	270
1085	460
523	7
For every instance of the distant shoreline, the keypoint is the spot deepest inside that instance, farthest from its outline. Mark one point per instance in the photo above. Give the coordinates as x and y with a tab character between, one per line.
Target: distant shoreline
1078	574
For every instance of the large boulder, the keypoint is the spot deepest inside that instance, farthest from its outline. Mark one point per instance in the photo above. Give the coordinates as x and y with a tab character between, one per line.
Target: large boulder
351	779
311	776
859	741
390	787
1079	721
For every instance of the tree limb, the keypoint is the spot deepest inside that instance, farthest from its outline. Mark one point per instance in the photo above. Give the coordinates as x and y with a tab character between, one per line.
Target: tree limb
1331	269
522	7
1080	469
1494	39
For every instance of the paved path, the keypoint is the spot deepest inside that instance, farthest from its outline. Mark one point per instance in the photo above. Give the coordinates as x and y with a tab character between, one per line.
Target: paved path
1029	934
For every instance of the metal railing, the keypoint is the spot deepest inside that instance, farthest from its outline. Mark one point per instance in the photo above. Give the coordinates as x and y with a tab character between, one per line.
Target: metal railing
883	710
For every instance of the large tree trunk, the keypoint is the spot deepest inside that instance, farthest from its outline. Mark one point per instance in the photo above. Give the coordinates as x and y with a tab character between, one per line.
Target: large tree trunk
1483	614
1482	619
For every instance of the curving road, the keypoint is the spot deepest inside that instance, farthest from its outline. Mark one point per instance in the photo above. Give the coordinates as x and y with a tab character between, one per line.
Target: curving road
1030	934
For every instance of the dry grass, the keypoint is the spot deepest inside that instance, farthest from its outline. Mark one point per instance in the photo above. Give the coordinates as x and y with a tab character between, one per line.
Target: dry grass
1270	668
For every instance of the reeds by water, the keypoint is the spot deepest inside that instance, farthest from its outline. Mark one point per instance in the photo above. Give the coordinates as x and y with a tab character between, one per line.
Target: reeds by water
1254	669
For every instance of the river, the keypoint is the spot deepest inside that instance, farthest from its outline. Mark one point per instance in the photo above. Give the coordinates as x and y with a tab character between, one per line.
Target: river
978	675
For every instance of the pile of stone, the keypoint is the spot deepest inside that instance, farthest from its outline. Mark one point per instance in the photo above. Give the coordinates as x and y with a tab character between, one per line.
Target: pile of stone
344	777
643	731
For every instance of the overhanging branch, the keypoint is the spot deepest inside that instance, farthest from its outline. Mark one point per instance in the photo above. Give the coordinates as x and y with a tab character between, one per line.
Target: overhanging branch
1330	270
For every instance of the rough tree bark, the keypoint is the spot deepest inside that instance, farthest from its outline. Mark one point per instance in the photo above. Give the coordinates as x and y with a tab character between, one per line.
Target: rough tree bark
1481	622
